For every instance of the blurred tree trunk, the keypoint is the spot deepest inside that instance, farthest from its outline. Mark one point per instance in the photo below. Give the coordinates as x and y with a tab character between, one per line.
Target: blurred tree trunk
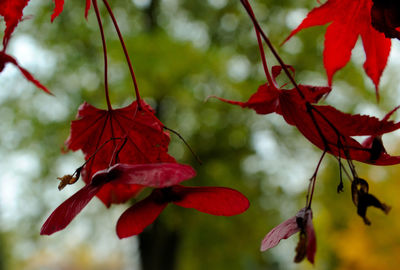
158	247
151	15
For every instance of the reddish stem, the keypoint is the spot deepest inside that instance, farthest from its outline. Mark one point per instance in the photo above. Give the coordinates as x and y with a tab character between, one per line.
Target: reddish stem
128	60
262	53
247	6
313	180
96	9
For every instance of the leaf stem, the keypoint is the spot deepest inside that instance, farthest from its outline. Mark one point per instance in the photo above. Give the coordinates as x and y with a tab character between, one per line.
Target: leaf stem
128	60
247	6
313	179
262	53
103	40
184	141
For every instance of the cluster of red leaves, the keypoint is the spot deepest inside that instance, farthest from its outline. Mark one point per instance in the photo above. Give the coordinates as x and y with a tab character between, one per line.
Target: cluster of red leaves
134	140
12	12
324	126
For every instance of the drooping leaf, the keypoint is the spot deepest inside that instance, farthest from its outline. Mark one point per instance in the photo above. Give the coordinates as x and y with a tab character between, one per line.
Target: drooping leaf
140	140
349	19
5	58
11	10
337	129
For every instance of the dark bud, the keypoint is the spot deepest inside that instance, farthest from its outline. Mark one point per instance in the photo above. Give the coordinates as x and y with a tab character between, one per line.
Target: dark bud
167	195
385	17
340	187
377	148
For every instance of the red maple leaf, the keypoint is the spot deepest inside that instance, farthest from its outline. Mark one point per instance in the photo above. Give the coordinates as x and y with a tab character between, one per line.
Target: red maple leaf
301	222
135	133
11	10
219	201
150	175
324	126
59	7
348	19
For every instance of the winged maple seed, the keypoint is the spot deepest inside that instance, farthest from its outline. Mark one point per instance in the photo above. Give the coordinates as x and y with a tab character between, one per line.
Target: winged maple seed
67	179
348	19
385	17
148	175
301	222
219	201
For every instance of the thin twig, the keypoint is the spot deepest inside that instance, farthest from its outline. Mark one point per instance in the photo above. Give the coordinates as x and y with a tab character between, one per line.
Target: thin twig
187	145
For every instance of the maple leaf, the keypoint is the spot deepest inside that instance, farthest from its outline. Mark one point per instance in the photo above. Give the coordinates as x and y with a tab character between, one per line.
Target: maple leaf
11	10
218	201
150	175
59	7
324	126
301	222
349	19
95	132
266	99
385	17
5	58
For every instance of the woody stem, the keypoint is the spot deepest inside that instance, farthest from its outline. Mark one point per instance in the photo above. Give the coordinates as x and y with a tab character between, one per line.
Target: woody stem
103	40
128	60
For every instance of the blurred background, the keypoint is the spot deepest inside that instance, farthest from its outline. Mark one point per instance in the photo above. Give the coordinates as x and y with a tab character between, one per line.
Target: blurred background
183	52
